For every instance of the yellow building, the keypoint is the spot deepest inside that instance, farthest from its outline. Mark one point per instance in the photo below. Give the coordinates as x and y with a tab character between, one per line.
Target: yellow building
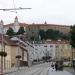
73	53
63	50
13	50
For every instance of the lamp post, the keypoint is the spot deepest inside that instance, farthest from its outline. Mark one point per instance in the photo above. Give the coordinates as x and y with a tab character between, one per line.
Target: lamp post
72	56
18	55
2	52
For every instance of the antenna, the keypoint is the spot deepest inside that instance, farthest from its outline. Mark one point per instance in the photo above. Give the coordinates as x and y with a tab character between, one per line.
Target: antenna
14	6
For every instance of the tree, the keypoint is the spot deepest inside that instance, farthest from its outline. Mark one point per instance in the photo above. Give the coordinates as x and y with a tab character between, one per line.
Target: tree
72	36
72	41
42	34
21	30
10	32
52	34
64	36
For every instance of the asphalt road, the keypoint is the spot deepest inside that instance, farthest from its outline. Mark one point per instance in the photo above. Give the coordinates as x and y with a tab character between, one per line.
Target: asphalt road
41	69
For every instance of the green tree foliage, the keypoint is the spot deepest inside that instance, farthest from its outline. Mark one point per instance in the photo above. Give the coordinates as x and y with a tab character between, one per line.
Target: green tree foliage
63	36
42	33
72	36
10	32
52	34
21	31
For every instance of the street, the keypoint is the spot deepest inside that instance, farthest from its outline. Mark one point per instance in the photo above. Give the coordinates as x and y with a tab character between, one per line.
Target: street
41	69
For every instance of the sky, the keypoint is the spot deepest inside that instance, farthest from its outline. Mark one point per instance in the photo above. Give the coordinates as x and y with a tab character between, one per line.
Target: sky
52	11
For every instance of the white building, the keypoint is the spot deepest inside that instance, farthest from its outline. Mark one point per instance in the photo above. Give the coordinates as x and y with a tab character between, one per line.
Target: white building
55	49
41	50
15	25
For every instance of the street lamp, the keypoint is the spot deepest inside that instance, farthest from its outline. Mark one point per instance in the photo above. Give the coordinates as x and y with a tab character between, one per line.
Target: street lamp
2	52
18	56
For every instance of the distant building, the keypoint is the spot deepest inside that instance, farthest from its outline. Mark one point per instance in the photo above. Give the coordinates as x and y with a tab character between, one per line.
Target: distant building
41	50
33	29
57	50
63	51
15	26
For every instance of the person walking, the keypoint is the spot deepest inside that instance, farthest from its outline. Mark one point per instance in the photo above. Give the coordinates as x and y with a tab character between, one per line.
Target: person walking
52	66
56	66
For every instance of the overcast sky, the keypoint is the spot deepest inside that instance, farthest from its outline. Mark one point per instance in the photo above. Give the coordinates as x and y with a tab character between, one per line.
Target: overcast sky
52	11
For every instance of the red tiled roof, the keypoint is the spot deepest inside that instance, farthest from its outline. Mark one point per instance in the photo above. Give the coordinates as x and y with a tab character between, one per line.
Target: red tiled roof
7	41
58	42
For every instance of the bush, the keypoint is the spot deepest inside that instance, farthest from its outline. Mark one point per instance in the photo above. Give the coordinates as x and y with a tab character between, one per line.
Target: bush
67	65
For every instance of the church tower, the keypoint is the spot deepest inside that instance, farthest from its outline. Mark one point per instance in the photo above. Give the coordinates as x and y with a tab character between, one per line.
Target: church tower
1	27
16	24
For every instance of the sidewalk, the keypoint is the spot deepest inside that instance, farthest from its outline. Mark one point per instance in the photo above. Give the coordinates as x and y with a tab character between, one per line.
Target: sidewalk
71	70
14	69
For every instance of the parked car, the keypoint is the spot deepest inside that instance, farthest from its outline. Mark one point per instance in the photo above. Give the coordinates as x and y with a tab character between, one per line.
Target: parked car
59	65
73	63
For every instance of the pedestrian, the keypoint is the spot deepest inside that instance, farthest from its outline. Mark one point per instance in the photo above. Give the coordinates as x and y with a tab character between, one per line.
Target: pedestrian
56	66
52	65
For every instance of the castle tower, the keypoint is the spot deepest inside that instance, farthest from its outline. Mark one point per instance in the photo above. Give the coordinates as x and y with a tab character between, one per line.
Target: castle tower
1	26
16	24
45	22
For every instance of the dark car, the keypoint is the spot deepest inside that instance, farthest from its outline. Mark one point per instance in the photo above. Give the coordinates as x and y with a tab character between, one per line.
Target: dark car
73	63
60	65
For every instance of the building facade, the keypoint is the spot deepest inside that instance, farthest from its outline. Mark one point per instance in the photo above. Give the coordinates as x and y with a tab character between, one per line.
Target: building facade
63	51
41	50
33	29
57	50
15	25
13	49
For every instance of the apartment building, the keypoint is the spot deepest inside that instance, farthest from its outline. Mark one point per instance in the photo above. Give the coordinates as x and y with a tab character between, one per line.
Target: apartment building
57	50
63	51
13	49
41	50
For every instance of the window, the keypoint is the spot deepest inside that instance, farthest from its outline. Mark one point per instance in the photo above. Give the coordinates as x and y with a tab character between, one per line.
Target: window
56	46
45	46
29	29
51	45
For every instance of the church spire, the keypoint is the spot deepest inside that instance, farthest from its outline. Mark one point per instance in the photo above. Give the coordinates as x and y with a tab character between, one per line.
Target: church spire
16	19
16	24
1	23
1	26
45	22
